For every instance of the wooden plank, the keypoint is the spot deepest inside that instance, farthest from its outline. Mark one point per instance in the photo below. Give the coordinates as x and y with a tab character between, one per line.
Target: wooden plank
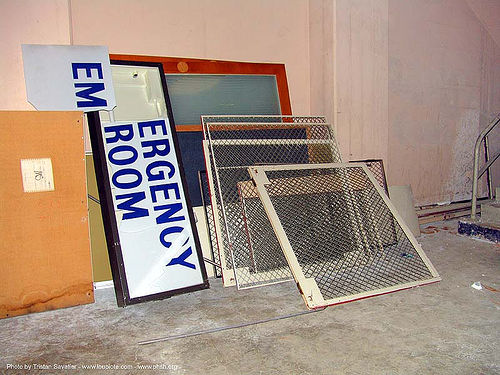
449	207
445	216
449	211
45	252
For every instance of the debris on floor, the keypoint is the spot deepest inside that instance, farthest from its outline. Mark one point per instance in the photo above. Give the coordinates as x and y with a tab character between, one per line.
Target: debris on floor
477	285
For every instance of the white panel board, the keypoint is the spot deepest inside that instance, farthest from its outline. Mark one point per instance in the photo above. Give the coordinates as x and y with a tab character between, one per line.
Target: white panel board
68	78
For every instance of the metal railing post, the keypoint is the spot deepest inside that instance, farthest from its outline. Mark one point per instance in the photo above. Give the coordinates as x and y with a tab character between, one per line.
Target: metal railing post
488	170
475	174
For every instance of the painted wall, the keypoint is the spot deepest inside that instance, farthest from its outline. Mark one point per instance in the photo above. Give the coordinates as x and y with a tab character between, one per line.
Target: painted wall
257	30
260	30
442	91
361	70
26	22
414	82
349	73
321	53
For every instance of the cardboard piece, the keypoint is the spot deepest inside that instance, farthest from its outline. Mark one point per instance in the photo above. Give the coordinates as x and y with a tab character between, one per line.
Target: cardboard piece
402	198
45	251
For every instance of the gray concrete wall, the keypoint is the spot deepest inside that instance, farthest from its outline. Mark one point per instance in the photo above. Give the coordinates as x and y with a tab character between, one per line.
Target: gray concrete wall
443	89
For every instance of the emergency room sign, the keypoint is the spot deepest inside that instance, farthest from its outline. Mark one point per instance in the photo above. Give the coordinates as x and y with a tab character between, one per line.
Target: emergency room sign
158	246
68	78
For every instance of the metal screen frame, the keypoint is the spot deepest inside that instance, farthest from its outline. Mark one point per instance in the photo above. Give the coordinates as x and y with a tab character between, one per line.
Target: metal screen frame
233	124
309	288
209	221
257	119
227	273
246	275
376	166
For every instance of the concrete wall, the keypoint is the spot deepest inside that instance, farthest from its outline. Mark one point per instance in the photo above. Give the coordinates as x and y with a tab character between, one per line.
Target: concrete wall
361	78
29	22
414	82
442	91
257	30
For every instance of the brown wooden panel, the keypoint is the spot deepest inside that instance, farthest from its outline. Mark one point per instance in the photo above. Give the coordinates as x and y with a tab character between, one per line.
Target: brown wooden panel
45	252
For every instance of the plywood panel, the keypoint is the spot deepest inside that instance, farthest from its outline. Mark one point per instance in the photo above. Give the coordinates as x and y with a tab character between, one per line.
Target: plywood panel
45	253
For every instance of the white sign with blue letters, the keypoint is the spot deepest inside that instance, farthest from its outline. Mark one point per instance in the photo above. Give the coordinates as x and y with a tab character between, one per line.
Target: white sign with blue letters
156	238
68	78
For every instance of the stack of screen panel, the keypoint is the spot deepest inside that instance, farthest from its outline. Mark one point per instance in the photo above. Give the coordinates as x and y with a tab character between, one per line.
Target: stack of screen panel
250	252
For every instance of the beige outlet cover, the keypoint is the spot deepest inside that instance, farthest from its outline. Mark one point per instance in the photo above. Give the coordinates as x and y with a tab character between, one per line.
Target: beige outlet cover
37	175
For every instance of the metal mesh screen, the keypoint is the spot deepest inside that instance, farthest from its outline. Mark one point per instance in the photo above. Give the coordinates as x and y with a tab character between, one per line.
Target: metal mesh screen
376	166
220	232
247	235
236	122
342	232
210	223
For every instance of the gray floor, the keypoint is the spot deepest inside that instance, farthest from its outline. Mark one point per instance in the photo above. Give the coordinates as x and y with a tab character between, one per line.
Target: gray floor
444	328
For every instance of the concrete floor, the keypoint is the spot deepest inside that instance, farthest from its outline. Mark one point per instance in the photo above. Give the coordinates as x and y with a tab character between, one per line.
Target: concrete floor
444	328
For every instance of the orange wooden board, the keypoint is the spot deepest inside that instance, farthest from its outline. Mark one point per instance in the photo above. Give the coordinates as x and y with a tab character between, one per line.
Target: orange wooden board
45	250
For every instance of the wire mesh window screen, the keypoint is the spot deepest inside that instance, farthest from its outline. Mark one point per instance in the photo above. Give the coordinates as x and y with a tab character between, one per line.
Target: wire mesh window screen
215	203
249	241
376	166
234	122
342	232
210	222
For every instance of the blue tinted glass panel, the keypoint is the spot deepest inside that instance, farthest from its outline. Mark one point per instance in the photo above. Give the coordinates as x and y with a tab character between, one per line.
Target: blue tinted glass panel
192	95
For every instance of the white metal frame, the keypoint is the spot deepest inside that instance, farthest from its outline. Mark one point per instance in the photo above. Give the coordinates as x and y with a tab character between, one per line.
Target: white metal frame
309	289
228	278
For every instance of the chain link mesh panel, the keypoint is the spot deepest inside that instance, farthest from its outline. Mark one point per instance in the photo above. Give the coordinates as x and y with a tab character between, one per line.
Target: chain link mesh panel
235	122
210	223
376	166
220	232
247	235
342	232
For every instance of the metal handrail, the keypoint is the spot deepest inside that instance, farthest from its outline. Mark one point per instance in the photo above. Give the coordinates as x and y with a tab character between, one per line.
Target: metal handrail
477	174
